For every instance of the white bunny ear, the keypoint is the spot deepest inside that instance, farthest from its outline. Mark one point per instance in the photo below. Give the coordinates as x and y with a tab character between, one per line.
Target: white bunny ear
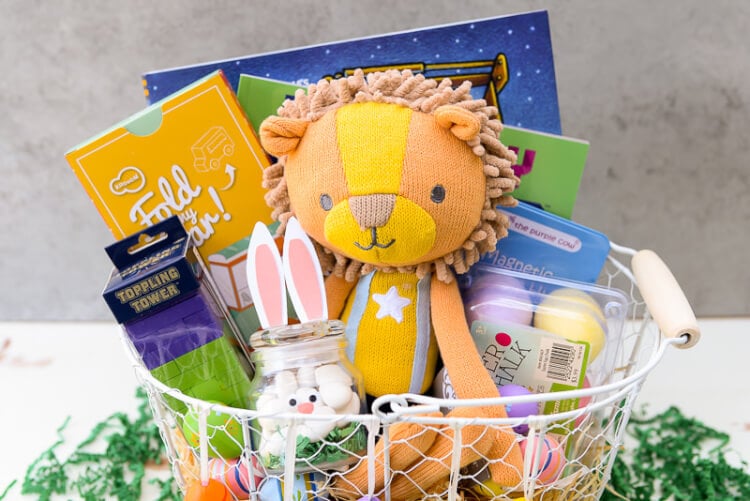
265	278
303	274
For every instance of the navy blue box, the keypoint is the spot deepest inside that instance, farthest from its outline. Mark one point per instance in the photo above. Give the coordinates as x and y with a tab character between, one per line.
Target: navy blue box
153	269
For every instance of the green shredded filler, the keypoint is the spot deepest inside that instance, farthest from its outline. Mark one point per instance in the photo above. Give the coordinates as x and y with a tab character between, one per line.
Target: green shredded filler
340	444
109	464
676	458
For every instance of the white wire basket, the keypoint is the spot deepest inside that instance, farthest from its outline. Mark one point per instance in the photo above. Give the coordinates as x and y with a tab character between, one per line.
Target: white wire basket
587	438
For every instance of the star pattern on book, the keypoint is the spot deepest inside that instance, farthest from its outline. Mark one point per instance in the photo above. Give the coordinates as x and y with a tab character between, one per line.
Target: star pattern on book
391	304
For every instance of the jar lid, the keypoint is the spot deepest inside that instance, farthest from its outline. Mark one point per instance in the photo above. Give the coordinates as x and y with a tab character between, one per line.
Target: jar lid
295	334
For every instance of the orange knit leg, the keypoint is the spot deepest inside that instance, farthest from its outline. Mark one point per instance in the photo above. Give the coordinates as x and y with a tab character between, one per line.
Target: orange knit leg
408	442
506	469
477	442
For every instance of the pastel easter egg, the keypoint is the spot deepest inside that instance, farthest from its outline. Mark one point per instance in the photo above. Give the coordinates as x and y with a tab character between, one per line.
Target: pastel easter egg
234	474
498	298
519	409
442	388
552	459
574	315
224	433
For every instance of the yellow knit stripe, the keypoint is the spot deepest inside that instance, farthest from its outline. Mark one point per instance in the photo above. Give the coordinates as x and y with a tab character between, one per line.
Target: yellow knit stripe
388	366
371	152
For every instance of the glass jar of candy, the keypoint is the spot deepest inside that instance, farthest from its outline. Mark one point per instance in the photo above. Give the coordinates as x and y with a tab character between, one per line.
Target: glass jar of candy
303	388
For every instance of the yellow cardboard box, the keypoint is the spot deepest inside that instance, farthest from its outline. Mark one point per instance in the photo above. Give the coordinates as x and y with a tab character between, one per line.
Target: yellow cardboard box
193	154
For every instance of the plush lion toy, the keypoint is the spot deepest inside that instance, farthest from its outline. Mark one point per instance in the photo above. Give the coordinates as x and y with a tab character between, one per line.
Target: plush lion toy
397	178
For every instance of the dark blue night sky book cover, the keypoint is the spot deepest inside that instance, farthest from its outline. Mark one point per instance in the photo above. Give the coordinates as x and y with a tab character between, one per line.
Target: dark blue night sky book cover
508	59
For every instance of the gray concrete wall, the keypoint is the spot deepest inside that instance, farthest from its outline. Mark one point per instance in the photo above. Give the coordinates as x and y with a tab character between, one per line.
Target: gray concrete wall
660	89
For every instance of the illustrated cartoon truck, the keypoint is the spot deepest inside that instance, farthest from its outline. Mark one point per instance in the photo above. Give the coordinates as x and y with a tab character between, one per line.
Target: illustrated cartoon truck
209	150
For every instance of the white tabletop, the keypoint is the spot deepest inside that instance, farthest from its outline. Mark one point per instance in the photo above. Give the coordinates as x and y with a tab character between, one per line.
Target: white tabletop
49	371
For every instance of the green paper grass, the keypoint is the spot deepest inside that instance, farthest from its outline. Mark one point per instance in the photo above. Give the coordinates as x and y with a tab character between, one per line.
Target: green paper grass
93	474
676	458
340	444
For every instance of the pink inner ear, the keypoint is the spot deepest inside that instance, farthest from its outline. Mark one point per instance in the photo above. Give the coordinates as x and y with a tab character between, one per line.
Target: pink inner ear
270	287
305	277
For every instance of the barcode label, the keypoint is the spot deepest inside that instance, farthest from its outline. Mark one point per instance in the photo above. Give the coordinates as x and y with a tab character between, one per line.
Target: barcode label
560	361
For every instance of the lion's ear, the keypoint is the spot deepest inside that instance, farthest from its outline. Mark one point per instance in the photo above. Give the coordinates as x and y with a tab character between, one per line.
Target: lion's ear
461	122
280	136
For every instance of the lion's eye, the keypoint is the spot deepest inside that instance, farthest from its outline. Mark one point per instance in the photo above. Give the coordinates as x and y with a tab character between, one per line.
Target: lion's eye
437	194
325	202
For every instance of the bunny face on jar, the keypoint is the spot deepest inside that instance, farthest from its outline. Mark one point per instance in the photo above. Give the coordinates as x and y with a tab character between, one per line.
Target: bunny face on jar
304	389
304	386
320	391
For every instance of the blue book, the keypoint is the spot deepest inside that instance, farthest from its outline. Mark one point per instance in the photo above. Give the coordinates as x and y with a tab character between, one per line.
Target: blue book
508	59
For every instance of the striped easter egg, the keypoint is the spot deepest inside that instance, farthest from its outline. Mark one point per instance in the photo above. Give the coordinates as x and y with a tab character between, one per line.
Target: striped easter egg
233	473
552	459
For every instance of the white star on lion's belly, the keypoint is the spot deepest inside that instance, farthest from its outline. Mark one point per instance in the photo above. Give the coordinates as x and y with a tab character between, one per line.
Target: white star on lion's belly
391	304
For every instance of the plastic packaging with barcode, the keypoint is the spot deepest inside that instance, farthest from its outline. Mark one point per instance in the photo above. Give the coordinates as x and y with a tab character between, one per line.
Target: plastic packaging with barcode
543	333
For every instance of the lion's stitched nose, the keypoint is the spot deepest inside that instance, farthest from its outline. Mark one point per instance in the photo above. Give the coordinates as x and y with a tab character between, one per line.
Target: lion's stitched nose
372	211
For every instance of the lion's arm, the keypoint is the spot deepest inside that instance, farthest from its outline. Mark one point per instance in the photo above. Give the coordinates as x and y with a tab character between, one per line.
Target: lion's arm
470	379
337	290
468	375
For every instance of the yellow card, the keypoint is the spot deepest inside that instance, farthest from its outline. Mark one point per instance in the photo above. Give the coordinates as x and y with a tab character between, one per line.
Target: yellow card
192	154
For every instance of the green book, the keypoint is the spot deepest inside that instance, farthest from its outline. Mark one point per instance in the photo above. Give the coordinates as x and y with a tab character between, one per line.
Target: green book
550	168
261	97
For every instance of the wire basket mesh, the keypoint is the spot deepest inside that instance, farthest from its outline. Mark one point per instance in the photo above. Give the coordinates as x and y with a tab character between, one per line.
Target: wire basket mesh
567	455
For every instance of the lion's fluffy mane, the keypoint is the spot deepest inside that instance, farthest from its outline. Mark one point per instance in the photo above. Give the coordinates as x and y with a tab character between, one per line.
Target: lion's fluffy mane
423	95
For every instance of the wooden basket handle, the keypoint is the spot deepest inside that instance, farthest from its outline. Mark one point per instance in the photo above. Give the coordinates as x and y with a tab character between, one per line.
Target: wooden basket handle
664	297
